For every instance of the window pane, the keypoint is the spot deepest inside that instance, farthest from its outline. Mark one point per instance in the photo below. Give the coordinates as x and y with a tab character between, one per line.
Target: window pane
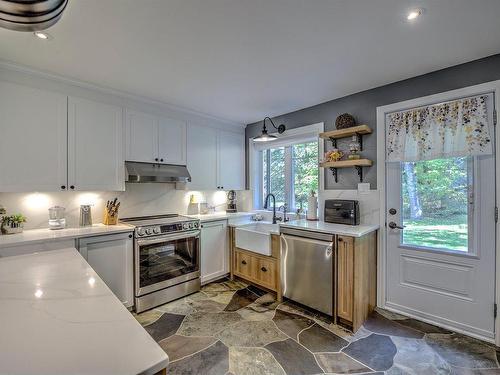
305	172
435	196
277	174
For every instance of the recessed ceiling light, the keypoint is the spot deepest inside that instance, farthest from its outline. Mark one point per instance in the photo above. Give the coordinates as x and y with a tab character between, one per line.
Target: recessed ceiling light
42	35
414	14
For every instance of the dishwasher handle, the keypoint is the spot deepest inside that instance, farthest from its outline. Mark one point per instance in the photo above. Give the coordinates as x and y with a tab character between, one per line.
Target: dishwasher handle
308	240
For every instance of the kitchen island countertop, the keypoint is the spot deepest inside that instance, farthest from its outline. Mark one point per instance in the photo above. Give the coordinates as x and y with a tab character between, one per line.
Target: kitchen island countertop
33	236
58	317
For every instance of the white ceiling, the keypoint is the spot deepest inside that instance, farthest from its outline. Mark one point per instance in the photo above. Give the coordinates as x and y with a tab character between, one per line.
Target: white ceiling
242	60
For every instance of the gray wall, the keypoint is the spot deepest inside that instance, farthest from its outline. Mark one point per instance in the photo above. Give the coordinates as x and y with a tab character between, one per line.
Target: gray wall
363	106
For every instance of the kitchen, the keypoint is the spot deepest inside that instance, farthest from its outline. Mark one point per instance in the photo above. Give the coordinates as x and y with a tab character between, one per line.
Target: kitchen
165	211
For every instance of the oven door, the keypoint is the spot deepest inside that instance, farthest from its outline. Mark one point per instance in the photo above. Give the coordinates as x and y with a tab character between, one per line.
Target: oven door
166	260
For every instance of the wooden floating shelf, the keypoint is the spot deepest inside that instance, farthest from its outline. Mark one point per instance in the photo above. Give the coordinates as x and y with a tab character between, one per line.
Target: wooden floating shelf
347	163
357	164
348	132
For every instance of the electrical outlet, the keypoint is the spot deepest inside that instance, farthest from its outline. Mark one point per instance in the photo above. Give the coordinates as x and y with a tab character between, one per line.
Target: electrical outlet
364	188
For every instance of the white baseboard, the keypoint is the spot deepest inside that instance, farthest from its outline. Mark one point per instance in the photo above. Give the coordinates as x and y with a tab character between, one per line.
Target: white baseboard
441	322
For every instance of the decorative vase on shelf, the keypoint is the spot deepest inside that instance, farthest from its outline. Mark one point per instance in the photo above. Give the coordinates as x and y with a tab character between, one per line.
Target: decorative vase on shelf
354	148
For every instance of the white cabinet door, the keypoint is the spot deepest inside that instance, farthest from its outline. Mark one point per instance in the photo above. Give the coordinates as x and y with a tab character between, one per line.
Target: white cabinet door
231	161
112	258
202	157
141	137
95	146
33	139
172	141
214	250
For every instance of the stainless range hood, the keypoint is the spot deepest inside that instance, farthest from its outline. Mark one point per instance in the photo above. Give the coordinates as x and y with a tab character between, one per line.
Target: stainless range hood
150	172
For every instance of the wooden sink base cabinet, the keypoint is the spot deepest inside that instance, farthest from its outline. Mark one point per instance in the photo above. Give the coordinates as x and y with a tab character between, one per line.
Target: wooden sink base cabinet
355	274
260	270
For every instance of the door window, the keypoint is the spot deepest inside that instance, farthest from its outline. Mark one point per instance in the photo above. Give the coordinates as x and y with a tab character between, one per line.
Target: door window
437	203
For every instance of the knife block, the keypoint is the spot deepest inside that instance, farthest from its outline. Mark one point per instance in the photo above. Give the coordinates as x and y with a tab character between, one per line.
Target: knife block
110	219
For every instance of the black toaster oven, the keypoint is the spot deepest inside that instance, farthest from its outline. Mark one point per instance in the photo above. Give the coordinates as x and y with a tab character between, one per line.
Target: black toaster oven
341	211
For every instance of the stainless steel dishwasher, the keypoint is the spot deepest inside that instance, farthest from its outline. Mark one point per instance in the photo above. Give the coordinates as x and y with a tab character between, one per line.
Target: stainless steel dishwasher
307	264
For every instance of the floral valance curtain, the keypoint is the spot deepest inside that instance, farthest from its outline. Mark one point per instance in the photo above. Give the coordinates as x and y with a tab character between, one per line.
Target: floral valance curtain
451	129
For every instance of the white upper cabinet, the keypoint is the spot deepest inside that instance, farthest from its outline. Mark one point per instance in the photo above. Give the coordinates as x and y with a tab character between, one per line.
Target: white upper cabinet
172	141
202	157
231	161
33	139
95	146
141	137
216	159
153	139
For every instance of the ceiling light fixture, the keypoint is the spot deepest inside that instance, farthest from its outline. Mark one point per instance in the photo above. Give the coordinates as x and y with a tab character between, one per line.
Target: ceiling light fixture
41	35
264	136
414	14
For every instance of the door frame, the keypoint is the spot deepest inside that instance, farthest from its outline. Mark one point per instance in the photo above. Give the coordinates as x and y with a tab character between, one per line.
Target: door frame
493	86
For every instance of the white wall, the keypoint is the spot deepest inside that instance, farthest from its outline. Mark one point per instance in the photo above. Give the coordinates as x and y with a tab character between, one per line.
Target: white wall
137	200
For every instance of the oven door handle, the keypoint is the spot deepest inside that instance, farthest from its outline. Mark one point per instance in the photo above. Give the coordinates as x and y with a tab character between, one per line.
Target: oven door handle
170	237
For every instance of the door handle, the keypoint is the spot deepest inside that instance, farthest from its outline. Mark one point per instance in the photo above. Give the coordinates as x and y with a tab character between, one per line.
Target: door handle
393	225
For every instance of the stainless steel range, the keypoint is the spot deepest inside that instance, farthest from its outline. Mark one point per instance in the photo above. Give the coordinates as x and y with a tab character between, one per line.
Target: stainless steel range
166	258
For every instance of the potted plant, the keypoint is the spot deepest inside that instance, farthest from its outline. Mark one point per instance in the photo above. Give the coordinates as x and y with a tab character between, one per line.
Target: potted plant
12	224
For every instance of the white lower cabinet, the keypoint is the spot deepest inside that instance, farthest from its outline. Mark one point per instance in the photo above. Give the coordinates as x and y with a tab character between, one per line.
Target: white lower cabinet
214	250
112	258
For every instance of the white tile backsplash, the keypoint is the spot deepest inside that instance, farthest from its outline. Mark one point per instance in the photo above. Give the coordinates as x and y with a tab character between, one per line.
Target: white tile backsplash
137	200
369	203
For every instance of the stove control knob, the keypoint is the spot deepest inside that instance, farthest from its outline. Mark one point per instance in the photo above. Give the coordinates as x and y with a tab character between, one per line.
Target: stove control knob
141	232
190	225
149	231
156	230
185	226
196	224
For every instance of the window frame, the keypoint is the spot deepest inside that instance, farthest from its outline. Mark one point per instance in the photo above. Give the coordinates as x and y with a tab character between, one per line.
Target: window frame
299	135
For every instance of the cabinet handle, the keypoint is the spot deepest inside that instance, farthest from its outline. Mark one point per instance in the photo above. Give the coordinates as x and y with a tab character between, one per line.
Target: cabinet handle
63	187
243	262
156	159
161	159
263	269
340	239
72	187
130	236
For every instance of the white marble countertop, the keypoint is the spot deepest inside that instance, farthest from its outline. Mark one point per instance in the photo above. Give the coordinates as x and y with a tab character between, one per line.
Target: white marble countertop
58	317
321	226
41	235
220	216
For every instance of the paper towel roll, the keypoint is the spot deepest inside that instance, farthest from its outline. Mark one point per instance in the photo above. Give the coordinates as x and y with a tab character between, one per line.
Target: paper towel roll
312	204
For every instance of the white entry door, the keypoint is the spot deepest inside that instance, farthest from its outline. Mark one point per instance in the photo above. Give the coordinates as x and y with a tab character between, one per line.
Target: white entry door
440	262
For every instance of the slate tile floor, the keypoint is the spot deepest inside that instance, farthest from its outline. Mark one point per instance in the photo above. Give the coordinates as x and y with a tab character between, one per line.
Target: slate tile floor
235	329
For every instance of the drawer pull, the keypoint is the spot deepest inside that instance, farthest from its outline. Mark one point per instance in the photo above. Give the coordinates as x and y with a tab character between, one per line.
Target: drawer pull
263	269
243	262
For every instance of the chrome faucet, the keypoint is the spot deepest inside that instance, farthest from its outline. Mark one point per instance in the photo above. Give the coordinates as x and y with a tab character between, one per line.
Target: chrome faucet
285	218
266	201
